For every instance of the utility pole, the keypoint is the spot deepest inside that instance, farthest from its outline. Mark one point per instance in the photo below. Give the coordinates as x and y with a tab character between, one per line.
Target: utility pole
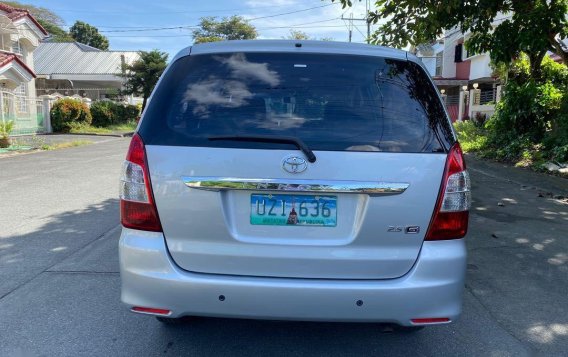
350	27
367	19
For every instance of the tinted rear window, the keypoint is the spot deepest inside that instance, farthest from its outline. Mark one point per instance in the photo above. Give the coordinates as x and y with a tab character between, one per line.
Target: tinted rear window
331	102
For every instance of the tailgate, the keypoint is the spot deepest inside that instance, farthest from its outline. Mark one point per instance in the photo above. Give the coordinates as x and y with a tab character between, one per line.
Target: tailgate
379	206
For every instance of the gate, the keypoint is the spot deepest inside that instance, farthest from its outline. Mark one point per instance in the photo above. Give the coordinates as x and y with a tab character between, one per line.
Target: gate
27	113
452	105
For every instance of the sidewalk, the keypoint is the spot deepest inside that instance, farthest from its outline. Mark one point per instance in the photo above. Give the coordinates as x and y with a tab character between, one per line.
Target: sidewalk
50	139
38	143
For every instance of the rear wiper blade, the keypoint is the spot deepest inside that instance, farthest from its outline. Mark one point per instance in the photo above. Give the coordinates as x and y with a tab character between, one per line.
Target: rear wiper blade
270	139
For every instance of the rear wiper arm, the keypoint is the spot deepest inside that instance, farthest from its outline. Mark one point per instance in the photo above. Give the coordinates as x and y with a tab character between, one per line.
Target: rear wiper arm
270	139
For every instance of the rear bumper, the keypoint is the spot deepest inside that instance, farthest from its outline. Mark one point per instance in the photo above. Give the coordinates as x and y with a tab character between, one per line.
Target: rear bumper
432	289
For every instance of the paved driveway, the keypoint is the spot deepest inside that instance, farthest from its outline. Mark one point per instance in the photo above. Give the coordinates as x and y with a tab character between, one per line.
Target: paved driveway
59	282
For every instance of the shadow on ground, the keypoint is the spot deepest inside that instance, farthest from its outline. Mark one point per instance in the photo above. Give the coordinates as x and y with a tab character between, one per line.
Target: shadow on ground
518	259
24	256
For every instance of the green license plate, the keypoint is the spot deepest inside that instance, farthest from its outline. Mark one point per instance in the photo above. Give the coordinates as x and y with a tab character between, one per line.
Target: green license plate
293	210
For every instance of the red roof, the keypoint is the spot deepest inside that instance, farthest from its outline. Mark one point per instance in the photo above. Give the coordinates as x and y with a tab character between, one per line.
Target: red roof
15	14
6	58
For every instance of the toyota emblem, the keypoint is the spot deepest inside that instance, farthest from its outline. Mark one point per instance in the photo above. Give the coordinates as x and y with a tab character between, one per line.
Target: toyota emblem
294	164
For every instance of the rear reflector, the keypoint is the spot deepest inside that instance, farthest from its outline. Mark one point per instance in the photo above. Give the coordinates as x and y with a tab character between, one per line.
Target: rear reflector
151	310
451	214
137	207
430	320
138	215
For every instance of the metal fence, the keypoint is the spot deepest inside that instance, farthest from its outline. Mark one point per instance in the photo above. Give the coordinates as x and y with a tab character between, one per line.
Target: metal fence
26	113
487	96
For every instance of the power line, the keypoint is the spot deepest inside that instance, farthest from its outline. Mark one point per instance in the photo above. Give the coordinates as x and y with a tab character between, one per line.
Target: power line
141	29
367	19
292	12
182	27
166	12
263	28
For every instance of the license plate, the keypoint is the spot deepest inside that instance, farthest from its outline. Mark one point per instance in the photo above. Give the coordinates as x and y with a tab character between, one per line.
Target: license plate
293	210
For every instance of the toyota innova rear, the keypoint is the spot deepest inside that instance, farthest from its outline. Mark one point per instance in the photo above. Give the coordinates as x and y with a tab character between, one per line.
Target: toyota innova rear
295	180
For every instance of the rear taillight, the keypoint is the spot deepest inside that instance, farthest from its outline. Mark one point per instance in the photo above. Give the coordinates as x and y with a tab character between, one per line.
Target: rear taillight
137	207
451	214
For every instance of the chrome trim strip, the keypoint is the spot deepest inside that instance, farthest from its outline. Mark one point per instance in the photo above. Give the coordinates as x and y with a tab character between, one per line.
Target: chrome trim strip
291	185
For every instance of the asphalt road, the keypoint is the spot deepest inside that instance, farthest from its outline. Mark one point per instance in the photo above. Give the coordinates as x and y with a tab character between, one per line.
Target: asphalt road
59	281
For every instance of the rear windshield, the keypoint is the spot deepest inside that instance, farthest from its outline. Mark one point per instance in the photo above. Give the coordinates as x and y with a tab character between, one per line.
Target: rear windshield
331	102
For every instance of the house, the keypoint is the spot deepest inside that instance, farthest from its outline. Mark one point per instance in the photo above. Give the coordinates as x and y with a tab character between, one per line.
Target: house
564	46
20	35
75	69
465	79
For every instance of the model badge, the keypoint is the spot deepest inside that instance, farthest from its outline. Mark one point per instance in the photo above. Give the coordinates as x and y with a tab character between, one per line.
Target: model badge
407	229
294	164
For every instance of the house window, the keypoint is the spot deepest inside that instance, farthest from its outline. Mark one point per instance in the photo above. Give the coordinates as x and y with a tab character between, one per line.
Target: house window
17	48
458	57
439	61
469	53
21	96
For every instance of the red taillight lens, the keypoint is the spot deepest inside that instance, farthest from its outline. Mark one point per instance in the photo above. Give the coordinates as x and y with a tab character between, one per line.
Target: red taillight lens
451	214
138	215
151	310
137	207
431	320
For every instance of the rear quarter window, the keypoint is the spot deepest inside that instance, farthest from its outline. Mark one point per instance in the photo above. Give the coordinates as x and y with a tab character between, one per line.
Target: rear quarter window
331	102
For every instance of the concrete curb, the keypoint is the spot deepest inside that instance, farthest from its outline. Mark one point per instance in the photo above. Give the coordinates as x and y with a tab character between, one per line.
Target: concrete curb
117	135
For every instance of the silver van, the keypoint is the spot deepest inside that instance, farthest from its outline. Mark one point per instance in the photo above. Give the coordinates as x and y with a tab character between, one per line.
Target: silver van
295	180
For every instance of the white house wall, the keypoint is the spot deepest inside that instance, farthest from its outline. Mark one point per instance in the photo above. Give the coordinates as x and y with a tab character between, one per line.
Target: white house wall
430	64
450	41
28	30
480	67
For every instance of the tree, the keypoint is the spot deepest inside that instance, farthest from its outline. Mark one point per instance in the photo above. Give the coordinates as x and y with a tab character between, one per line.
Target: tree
301	35
38	12
142	75
89	35
532	26
57	33
49	20
228	28
297	35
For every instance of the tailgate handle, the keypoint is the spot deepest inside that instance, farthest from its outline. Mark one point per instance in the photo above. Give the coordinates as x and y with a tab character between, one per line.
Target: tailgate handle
231	183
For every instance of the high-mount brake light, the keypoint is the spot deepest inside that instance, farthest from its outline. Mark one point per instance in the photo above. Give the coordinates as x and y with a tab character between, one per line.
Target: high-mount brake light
451	214
137	206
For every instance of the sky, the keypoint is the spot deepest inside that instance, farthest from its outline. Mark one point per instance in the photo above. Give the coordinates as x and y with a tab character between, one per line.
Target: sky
139	25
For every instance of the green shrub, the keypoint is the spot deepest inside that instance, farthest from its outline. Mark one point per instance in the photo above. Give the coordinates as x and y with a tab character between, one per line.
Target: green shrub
559	153
525	110
530	124
103	113
65	112
472	137
106	113
6	128
127	113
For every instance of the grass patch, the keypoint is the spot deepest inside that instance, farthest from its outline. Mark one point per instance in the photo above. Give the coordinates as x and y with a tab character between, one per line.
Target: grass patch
65	145
472	138
111	129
